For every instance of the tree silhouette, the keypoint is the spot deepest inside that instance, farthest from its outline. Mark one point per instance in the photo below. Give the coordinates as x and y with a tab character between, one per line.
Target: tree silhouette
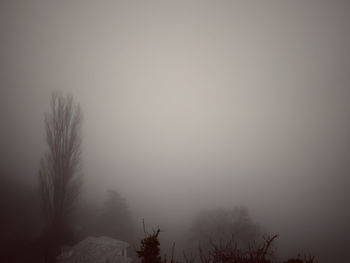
149	251
59	173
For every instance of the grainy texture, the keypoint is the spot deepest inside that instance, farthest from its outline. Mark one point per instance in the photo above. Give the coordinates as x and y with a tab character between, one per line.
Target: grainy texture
96	250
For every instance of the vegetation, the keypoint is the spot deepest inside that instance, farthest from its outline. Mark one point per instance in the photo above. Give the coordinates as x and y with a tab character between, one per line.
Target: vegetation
59	174
223	225
59	179
224	236
228	252
149	251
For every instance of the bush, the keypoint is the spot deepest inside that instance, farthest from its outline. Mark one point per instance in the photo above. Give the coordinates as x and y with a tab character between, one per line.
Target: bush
227	252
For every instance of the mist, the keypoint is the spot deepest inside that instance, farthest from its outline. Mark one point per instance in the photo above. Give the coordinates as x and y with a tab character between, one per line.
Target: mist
191	105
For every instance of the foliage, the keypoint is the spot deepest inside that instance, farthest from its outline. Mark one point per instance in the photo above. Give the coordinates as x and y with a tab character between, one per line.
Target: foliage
255	253
230	253
149	250
218	252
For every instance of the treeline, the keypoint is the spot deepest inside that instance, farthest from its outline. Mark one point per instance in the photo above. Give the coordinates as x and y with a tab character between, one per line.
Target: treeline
218	252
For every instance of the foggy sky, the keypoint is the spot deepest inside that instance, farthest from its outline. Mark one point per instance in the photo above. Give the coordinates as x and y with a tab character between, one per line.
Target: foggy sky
190	105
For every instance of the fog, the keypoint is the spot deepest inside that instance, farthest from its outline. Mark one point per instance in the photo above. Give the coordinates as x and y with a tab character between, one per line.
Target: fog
191	105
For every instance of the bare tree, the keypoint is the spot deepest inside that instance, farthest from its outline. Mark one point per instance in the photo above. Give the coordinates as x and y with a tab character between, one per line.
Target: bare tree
59	174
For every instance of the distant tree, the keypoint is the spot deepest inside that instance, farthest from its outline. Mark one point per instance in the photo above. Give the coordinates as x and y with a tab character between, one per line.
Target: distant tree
59	173
221	225
115	219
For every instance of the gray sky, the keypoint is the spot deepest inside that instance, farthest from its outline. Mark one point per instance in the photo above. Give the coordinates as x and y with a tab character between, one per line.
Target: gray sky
192	104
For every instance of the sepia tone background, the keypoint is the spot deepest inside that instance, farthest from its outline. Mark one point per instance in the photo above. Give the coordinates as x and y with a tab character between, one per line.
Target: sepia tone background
190	105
